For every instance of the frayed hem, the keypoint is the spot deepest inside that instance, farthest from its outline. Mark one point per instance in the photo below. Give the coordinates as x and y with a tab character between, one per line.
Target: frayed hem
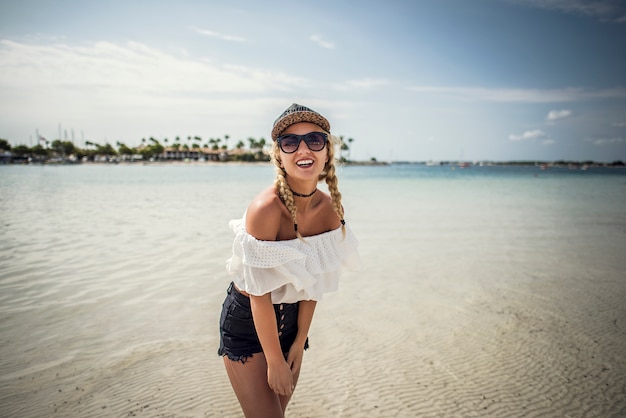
232	357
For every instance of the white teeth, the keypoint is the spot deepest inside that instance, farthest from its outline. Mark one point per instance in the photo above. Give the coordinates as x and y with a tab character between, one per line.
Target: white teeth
304	162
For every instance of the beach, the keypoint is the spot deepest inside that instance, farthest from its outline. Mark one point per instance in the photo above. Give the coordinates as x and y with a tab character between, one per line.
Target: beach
493	293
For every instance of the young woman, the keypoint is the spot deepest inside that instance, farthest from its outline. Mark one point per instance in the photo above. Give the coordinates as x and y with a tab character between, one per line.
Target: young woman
288	251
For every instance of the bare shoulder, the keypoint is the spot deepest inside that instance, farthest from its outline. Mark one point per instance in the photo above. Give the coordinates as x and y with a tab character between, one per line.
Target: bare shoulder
264	214
328	216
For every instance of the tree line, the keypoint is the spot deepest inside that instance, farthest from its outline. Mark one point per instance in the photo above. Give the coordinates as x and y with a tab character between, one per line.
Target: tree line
149	149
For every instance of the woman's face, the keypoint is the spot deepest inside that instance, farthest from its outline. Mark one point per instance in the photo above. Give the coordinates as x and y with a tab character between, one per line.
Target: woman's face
304	163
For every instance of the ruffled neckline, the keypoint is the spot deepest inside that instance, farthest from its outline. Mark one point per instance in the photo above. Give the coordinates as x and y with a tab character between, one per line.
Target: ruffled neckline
292	269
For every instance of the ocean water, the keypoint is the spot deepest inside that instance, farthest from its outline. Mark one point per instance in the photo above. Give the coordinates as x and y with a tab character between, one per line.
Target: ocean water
98	261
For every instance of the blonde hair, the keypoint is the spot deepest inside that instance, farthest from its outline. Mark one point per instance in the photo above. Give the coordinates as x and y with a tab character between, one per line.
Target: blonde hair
328	174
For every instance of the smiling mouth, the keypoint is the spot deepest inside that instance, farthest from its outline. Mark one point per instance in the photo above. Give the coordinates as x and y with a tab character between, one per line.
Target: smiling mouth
304	163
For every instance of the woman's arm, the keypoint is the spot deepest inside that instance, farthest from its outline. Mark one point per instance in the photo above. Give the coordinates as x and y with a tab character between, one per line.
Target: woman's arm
279	376
306	309
262	222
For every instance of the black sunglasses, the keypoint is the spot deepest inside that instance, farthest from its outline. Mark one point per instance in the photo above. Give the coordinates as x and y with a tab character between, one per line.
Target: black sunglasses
316	141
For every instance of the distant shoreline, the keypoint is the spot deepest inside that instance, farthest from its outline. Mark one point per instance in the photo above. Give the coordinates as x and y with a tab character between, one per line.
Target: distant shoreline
460	164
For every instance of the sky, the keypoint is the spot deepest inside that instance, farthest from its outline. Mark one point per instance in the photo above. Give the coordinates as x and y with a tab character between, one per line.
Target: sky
421	80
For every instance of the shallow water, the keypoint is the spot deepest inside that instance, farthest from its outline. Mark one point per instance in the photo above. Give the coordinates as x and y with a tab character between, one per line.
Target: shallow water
98	262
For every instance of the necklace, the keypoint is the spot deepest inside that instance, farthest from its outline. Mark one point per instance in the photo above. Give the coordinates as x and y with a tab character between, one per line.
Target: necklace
304	195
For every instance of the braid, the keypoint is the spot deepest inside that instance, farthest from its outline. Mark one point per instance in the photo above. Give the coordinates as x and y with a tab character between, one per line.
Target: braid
335	195
283	188
331	180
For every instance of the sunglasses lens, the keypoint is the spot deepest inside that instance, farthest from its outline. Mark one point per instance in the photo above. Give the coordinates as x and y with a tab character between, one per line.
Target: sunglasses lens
315	141
289	143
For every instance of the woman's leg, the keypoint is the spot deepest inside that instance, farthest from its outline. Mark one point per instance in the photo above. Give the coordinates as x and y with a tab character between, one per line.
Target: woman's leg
284	400
249	381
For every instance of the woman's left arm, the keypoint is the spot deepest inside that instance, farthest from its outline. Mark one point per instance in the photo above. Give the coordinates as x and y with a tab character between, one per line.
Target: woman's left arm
306	309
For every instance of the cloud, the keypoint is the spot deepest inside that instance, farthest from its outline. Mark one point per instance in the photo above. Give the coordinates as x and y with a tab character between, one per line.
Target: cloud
548	142
606	10
605	141
522	95
218	35
125	89
618	124
362	84
106	69
528	135
321	42
558	114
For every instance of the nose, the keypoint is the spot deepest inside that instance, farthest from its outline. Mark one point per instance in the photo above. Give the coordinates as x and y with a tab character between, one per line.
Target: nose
302	146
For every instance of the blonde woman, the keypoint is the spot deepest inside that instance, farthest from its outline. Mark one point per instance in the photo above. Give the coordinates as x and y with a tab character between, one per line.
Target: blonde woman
289	249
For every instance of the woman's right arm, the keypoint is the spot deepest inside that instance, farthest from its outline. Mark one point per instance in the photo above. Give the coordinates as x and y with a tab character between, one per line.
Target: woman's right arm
279	376
262	222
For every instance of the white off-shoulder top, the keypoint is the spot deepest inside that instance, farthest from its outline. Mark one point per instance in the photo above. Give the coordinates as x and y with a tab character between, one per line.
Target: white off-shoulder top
292	270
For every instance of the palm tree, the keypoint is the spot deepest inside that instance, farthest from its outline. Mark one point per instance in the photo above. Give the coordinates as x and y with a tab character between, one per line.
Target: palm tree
342	147
350	150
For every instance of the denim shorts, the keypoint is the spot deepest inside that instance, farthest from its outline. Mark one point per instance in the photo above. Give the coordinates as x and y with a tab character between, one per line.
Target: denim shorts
238	337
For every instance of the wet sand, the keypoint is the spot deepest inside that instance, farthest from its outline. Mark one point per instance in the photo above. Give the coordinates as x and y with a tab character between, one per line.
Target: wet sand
536	348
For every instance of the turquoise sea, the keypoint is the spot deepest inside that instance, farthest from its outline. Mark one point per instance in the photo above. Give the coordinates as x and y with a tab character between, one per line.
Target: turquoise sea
105	268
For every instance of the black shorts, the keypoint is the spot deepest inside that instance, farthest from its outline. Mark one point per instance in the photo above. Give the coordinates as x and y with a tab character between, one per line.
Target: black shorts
238	337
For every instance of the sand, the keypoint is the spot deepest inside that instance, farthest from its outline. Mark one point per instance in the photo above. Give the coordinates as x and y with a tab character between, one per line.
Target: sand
534	348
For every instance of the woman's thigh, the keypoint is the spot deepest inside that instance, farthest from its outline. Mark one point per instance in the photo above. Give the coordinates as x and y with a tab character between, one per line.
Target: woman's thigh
249	381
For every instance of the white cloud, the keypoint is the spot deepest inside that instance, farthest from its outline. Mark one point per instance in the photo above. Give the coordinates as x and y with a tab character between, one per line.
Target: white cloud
571	94
130	89
558	114
364	83
321	42
218	35
104	70
618	124
528	135
548	142
605	141
602	9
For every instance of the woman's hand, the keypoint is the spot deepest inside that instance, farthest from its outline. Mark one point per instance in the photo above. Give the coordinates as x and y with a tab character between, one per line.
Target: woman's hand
294	358
280	378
